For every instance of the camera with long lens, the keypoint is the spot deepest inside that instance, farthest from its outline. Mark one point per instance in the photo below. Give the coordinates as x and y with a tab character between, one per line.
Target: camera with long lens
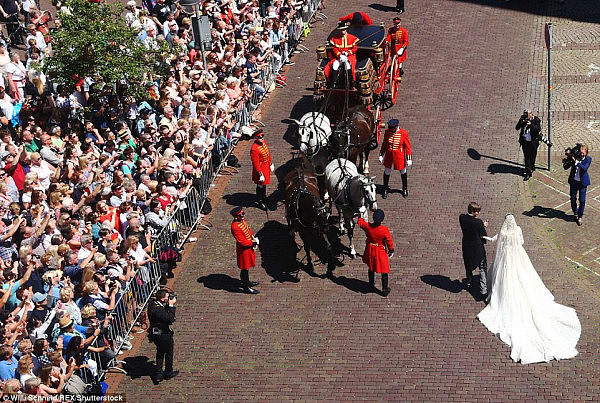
172	295
574	152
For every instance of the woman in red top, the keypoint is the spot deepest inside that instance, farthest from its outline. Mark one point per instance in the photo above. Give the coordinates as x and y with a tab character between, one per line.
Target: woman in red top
378	249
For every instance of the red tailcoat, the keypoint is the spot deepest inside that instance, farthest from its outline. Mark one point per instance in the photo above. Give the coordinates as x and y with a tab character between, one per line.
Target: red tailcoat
261	162
398	38
396	149
366	20
378	239
343	43
246	257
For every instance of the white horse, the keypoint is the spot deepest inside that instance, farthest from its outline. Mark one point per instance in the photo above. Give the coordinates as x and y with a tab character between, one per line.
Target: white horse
314	129
351	192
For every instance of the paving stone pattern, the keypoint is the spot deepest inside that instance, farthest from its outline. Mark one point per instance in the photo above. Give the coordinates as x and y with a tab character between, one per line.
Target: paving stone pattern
467	78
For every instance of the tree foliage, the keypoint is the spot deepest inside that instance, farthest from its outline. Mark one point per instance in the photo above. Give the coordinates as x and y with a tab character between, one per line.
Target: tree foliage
94	41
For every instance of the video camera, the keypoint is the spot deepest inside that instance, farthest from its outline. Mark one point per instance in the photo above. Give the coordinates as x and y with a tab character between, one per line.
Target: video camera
574	152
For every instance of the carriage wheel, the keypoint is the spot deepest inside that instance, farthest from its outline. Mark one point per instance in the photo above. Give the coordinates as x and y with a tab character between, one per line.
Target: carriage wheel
394	83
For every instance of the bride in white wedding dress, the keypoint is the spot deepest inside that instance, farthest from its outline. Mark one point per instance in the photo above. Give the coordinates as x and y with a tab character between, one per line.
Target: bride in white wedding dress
521	311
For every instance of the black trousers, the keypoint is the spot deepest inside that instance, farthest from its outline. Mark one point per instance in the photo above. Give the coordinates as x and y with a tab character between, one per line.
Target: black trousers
530	153
400	4
164	353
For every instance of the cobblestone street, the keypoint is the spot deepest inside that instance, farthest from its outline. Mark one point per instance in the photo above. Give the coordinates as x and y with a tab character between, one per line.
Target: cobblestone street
472	67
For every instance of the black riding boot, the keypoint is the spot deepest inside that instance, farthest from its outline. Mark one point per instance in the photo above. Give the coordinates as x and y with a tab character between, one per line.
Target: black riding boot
246	283
261	196
404	185
386	182
385	290
371	280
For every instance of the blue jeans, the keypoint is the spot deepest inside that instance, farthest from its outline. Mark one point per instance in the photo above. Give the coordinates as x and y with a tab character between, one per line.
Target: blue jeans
575	188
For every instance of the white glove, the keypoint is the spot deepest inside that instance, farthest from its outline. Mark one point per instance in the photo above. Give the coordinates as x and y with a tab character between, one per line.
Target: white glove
262	178
408	163
272	167
400	51
381	159
343	58
391	255
362	209
345	53
257	241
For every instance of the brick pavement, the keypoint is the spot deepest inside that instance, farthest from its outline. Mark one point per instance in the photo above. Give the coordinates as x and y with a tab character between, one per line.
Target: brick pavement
467	78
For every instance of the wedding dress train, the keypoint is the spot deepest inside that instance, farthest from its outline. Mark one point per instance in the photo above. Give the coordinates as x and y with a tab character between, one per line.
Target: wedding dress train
521	311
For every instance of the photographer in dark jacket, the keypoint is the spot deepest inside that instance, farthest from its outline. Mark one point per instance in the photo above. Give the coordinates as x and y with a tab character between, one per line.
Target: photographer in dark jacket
529	138
579	161
161	314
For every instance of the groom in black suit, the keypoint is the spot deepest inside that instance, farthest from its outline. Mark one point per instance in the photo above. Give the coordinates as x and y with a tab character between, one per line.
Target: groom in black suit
473	231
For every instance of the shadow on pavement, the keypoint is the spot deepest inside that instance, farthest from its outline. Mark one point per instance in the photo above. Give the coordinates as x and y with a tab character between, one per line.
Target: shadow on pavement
475	155
381	7
576	10
505	169
221	282
548	212
443	282
278	252
242	199
353	284
139	366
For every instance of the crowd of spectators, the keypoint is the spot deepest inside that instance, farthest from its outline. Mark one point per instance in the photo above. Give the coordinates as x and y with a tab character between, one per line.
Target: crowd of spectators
88	177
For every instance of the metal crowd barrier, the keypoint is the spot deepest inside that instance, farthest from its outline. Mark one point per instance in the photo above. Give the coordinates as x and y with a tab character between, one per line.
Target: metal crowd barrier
187	217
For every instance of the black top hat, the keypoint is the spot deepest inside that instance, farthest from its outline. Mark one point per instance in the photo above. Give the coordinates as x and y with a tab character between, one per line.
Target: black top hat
343	25
236	211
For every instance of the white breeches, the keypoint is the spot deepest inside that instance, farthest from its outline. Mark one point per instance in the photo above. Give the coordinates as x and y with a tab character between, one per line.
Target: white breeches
337	62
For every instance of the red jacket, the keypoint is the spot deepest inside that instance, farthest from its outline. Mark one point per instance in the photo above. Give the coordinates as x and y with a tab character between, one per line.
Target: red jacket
244	244
396	149
378	239
366	20
398	38
261	162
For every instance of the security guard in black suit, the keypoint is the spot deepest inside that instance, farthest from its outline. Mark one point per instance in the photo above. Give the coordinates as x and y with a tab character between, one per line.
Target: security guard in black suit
161	314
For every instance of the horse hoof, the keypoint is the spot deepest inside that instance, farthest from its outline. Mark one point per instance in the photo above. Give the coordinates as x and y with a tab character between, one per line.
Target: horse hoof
353	256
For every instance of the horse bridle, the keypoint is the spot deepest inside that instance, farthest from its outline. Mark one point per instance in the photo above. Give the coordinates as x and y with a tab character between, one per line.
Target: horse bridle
365	194
320	207
317	129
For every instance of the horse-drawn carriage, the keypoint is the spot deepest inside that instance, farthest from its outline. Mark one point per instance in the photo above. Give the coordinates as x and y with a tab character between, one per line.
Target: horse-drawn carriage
336	139
376	75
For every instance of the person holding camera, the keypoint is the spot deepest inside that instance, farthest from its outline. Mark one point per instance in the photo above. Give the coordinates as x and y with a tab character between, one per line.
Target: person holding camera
578	160
529	139
161	314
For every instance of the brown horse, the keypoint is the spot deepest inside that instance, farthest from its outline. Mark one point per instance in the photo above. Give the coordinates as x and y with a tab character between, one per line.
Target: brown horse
308	215
354	137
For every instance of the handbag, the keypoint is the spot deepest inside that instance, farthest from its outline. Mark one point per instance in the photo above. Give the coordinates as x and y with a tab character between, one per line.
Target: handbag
206	207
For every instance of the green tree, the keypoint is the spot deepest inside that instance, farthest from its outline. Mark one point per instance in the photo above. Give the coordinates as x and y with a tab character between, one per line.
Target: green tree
94	41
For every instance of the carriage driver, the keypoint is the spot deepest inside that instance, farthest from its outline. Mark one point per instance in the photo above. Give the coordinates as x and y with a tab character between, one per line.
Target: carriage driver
398	38
344	47
245	244
262	166
379	249
396	152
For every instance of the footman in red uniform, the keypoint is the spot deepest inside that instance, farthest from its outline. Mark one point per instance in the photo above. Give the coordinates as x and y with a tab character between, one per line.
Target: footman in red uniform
262	166
378	249
344	47
398	38
395	152
245	243
357	18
